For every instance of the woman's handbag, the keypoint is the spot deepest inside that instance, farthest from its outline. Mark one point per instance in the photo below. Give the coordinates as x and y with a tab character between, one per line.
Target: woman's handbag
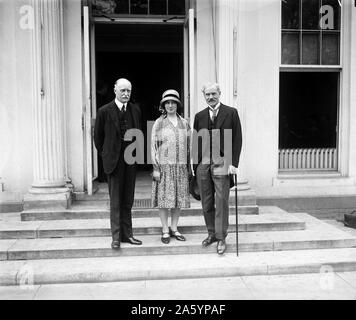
193	187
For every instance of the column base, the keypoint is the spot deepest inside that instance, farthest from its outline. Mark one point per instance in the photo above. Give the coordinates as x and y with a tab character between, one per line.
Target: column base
54	198
242	184
69	185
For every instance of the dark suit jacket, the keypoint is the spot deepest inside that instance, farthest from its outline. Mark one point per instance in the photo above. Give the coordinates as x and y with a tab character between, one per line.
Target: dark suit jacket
107	135
227	118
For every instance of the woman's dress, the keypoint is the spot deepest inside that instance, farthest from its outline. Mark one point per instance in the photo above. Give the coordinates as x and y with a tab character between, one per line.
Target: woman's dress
170	147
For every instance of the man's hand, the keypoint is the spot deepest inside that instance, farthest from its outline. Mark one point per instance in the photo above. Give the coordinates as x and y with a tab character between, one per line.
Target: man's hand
156	175
232	169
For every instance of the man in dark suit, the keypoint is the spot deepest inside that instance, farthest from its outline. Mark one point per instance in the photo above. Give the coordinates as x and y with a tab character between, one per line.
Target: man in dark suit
112	122
218	137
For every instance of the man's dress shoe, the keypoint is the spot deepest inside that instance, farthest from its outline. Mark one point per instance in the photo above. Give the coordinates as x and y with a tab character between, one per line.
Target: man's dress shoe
209	240
132	240
221	247
115	245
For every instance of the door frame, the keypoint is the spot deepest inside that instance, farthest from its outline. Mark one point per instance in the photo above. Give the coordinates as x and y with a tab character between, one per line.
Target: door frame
89	112
89	108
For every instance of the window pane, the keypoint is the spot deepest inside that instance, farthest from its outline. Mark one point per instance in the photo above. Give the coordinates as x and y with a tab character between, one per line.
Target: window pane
290	48
122	6
330	50
176	7
139	7
158	7
290	14
334	14
103	7
310	14
310	48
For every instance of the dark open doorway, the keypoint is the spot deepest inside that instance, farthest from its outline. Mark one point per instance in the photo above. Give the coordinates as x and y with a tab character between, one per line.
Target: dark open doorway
150	56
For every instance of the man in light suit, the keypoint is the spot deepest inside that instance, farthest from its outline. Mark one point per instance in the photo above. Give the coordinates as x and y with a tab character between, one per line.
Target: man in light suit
218	137
112	122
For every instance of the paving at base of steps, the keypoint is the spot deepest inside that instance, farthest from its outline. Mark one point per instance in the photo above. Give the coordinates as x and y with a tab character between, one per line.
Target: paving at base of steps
312	286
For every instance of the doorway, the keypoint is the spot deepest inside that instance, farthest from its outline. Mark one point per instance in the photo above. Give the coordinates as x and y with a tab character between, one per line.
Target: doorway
151	56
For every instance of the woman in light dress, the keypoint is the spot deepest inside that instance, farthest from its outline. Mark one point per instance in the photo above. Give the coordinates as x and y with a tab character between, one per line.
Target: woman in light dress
171	165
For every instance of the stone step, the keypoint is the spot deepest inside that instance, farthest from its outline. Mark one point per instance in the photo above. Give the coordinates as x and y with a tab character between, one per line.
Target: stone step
102	212
318	235
143	198
113	269
275	221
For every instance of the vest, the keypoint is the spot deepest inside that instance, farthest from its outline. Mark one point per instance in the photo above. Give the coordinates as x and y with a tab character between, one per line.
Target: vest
125	120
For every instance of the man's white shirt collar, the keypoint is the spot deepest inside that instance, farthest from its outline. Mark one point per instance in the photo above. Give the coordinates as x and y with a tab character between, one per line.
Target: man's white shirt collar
119	104
211	111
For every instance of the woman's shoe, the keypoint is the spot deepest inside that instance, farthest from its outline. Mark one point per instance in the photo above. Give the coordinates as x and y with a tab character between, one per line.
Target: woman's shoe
165	237
176	234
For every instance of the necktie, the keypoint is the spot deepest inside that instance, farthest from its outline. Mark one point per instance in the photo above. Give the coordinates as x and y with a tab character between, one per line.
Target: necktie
215	112
123	108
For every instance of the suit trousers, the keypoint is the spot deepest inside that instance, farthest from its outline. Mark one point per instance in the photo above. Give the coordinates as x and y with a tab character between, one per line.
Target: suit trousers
214	190
121	183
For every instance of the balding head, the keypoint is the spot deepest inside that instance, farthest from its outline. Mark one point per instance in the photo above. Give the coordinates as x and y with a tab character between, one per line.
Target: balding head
122	81
122	90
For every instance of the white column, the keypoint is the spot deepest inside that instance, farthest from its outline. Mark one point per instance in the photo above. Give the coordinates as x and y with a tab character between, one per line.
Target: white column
350	89
227	12
49	165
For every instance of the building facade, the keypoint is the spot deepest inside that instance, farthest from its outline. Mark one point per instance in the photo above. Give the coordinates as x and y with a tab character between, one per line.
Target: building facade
288	66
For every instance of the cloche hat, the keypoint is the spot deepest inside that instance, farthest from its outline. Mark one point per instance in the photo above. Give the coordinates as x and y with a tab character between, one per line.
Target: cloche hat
170	95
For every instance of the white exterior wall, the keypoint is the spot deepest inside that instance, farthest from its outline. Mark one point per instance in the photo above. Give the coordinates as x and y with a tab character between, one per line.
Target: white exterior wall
16	126
16	102
258	32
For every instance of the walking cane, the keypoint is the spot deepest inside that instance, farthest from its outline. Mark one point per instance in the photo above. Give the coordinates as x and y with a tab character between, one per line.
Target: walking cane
237	216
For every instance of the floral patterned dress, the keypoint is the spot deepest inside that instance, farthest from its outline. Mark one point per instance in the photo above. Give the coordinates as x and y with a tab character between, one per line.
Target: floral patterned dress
170	147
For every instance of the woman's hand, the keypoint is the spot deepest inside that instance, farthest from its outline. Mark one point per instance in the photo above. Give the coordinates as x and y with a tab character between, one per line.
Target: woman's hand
156	175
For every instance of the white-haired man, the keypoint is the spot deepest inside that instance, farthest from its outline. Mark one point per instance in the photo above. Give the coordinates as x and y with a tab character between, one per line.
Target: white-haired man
112	122
217	135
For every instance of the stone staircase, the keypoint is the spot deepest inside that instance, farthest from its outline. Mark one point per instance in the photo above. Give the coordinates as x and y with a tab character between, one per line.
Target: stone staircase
64	246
